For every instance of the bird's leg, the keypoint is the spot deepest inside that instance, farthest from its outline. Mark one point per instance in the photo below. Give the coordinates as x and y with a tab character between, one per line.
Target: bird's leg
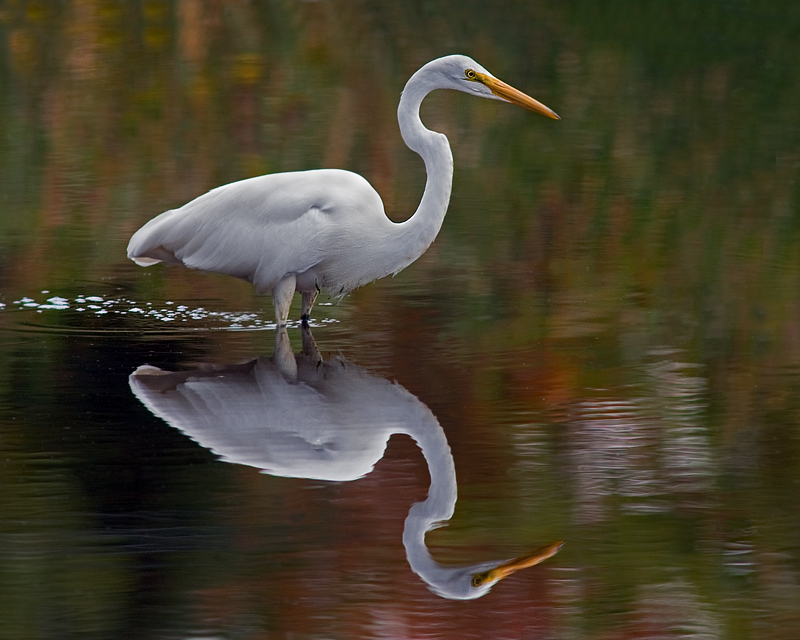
309	344
284	356
282	296
309	297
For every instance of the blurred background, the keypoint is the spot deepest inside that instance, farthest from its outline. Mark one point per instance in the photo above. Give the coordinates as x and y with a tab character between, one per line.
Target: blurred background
607	327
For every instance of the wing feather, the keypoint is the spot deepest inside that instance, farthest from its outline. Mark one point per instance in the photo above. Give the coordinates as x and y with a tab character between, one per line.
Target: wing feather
260	229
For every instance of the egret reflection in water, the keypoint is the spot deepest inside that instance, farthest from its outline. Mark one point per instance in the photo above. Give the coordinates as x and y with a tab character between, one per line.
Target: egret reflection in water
303	417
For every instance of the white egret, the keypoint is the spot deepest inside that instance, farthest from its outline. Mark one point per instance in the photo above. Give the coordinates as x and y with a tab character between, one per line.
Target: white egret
326	228
301	417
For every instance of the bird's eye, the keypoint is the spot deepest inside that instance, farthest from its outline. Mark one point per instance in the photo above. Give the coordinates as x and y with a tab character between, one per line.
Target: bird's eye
471	75
477	580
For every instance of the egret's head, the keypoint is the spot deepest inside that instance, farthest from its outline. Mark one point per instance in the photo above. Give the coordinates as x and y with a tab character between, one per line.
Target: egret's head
468	583
464	74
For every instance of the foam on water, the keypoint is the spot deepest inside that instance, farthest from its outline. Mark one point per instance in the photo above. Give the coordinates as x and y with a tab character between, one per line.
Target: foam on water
146	315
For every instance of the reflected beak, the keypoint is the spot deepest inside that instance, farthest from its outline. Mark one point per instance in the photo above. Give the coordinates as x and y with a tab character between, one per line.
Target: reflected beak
507	568
515	96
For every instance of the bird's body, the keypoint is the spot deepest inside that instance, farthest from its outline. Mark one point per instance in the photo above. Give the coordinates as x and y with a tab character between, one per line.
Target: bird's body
321	229
337	213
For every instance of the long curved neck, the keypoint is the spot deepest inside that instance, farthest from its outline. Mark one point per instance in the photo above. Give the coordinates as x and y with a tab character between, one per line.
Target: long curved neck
439	506
420	230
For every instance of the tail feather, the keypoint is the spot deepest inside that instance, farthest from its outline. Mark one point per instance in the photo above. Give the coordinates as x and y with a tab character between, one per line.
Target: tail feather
141	249
153	256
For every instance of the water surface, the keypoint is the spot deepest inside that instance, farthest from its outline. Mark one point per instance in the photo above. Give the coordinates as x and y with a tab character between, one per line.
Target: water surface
604	338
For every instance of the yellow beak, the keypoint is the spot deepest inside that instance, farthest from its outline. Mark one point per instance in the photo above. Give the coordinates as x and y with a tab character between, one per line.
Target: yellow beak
507	568
514	96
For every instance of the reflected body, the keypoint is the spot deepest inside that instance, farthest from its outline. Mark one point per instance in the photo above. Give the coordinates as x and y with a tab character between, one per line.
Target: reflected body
322	229
302	417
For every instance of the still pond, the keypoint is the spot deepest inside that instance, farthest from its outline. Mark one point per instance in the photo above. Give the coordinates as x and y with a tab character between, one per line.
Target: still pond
601	348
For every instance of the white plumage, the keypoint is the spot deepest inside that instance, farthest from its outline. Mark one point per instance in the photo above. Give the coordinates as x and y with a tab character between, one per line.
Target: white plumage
322	229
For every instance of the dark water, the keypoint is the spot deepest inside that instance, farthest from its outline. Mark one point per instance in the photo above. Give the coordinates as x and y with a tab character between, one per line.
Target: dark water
602	347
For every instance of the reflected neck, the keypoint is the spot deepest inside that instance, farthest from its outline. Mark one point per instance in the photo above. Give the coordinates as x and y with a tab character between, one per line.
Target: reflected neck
439	506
